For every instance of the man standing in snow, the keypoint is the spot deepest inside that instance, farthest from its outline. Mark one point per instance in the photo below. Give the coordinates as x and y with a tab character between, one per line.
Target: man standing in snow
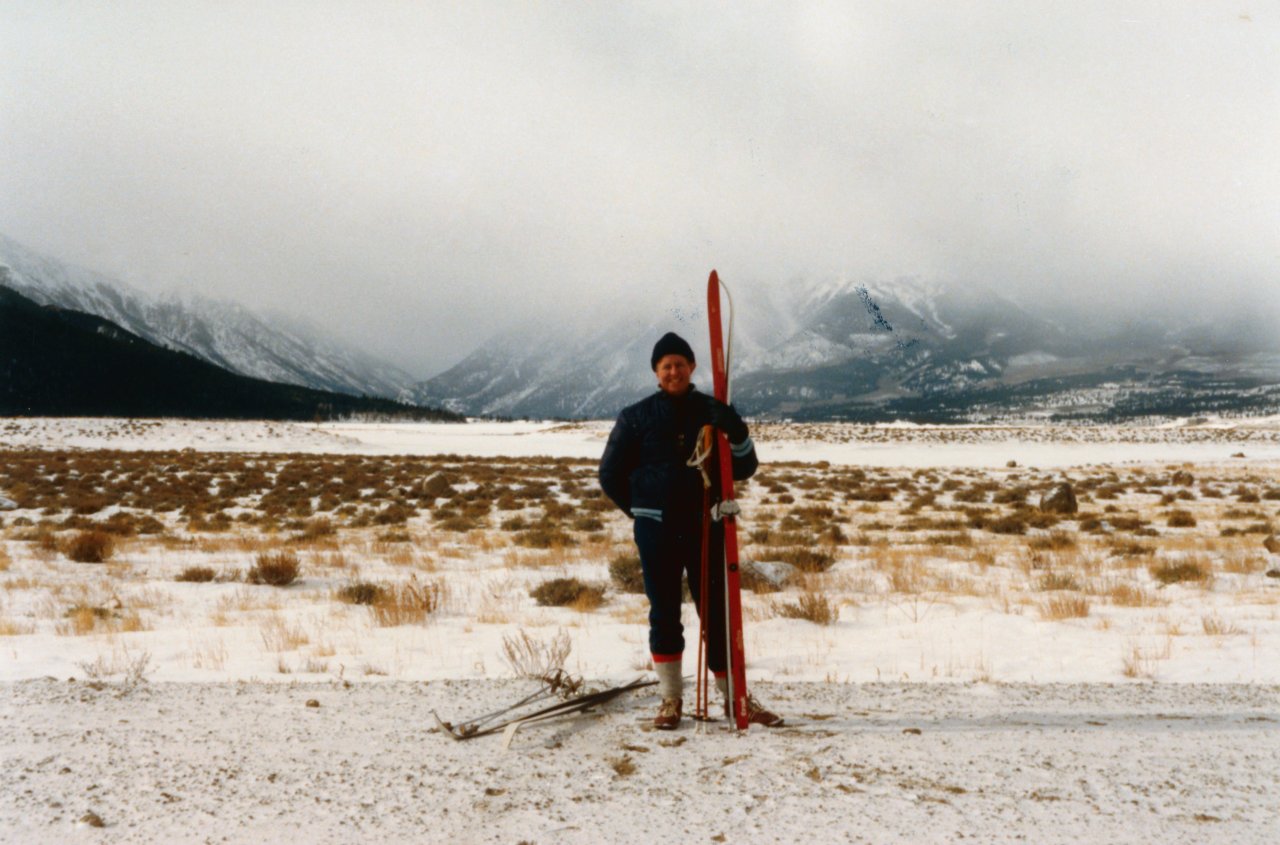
645	471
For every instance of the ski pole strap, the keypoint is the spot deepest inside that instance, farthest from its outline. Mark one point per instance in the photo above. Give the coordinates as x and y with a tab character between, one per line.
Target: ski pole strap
701	452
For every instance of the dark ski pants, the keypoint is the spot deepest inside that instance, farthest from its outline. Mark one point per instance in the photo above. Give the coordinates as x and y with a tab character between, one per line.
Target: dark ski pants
668	551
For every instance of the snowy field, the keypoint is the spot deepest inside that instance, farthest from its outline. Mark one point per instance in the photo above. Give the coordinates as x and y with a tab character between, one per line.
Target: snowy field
1110	675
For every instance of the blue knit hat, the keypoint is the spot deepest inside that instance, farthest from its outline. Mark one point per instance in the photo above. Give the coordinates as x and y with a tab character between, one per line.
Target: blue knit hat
670	344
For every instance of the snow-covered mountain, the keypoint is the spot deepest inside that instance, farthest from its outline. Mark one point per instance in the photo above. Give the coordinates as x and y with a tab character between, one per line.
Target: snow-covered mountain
842	349
223	333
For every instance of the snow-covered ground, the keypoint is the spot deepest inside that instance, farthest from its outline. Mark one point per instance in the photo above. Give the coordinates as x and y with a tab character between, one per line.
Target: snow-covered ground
1141	719
864	763
889	445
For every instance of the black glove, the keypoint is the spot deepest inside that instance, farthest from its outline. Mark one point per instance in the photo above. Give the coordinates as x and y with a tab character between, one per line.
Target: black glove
725	418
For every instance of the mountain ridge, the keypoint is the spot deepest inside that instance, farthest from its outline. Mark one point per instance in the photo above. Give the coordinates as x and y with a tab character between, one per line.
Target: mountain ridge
225	333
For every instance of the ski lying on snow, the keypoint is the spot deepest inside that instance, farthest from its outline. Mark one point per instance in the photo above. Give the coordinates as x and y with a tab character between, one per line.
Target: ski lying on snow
577	704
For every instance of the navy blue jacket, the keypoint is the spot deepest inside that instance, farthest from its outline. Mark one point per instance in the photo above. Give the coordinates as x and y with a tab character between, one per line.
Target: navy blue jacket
643	469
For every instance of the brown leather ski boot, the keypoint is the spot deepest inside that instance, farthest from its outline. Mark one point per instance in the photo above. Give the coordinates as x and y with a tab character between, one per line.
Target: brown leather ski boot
757	714
668	718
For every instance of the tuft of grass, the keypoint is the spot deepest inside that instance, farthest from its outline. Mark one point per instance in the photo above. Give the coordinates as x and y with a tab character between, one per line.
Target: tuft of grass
90	547
811	605
1180	571
277	569
1058	581
1126	594
196	574
408	603
1181	519
361	592
568	592
1066	606
1215	626
15	627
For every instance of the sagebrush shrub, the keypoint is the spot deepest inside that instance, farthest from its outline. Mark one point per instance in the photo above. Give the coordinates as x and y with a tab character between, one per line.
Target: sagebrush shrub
805	559
90	547
277	569
1174	572
563	592
626	574
361	592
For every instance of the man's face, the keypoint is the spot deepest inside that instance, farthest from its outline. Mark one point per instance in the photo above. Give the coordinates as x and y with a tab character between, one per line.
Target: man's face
673	373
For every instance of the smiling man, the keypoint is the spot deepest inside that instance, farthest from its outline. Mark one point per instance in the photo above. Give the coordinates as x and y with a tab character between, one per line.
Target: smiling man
645	471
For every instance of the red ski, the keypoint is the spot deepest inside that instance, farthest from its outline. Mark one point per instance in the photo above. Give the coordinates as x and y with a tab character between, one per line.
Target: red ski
727	510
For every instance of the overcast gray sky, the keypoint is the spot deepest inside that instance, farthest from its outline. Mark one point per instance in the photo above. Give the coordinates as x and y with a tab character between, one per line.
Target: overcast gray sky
413	174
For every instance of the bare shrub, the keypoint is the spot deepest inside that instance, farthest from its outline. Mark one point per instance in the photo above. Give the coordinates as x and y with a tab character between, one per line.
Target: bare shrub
90	547
1181	519
530	657
812	606
566	592
408	603
196	574
626	573
277	569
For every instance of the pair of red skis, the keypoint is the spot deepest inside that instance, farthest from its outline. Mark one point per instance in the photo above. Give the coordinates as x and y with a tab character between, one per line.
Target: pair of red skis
726	511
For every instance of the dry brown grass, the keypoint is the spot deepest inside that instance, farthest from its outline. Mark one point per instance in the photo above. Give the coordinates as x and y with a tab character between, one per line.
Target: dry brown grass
1215	626
409	603
1065	606
1128	594
1189	569
811	606
10	627
279	634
